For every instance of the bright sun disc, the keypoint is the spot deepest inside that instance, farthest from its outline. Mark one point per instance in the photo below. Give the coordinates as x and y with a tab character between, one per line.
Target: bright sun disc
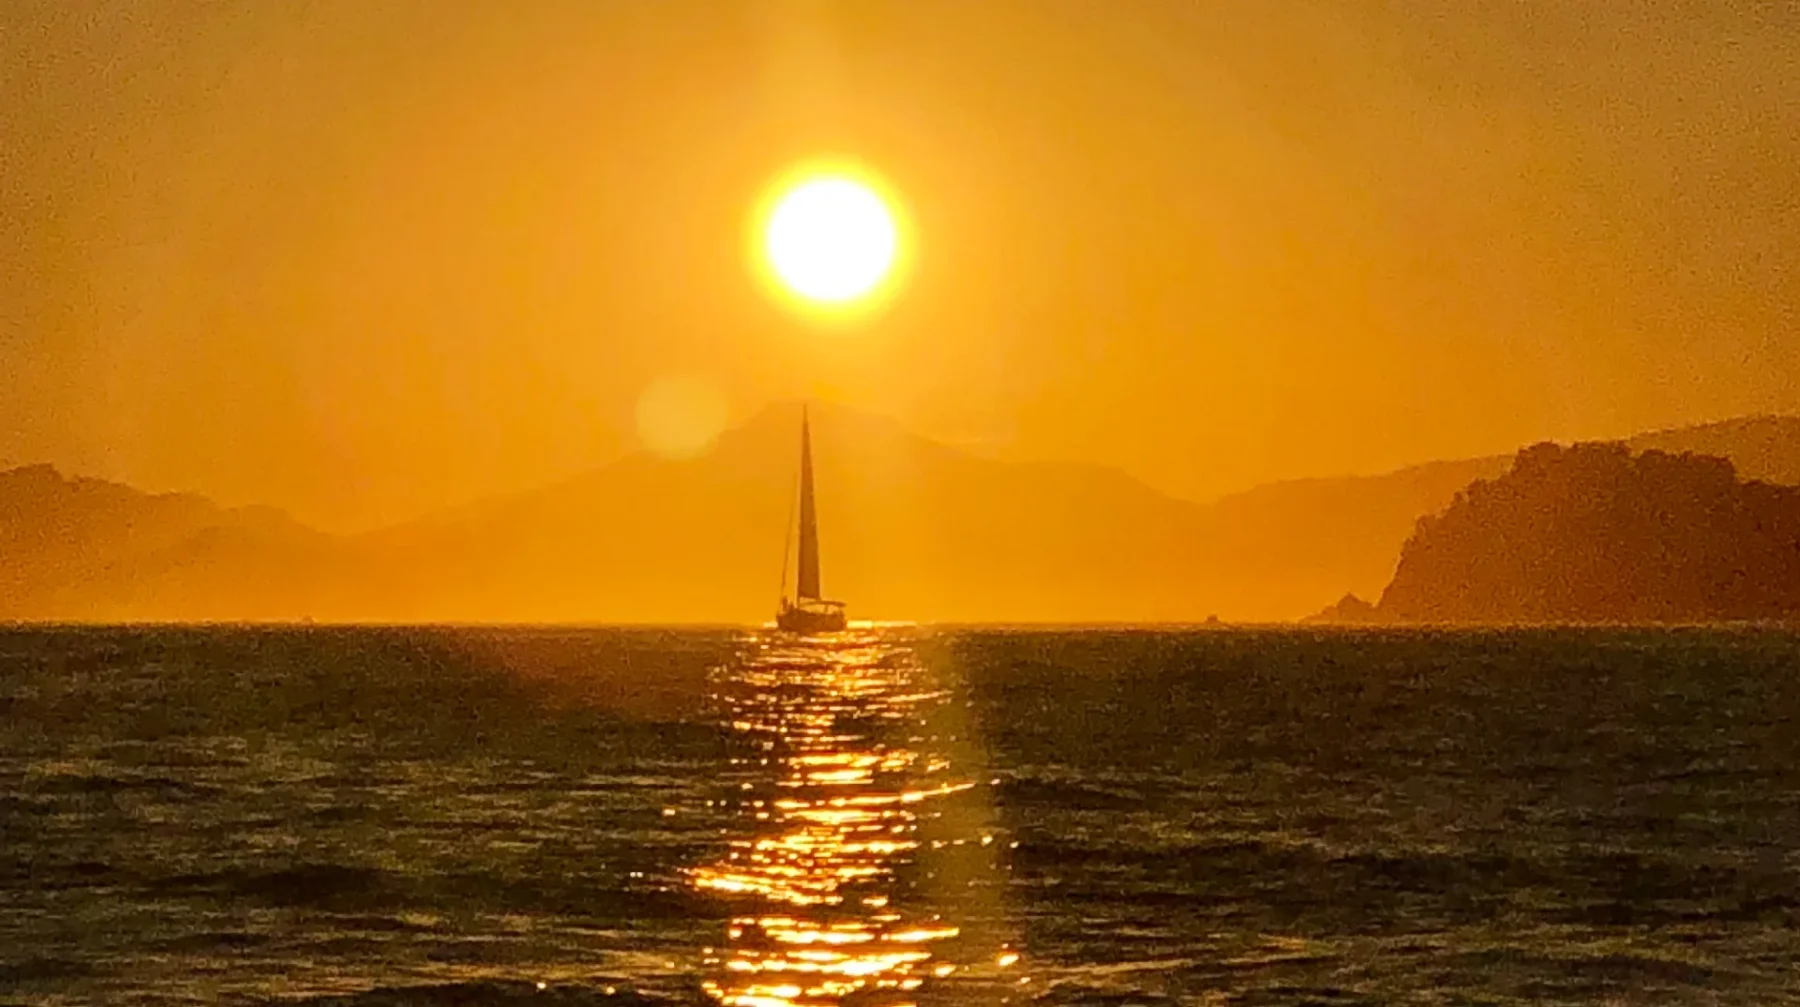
831	239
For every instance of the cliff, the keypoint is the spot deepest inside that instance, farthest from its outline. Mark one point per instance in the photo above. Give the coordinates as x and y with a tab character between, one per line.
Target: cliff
1594	533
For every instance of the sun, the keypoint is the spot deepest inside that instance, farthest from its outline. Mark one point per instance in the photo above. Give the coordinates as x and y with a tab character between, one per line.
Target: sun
830	238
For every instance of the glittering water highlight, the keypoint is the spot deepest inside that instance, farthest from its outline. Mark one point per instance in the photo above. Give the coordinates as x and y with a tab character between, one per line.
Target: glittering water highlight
860	835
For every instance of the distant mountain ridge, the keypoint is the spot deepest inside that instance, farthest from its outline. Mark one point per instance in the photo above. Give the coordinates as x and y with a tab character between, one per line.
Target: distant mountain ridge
1763	448
911	529
61	537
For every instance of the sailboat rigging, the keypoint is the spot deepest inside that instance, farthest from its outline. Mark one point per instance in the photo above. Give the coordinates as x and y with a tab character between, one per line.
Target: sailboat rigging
808	611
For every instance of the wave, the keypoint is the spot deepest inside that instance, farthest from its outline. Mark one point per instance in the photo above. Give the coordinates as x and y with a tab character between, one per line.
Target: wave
341	888
483	994
1066	796
1301	879
80	785
33	971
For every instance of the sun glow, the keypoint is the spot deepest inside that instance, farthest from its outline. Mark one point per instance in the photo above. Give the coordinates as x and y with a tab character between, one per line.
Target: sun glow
830	239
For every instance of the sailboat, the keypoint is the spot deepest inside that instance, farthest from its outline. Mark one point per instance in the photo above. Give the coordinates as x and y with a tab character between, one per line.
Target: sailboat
808	611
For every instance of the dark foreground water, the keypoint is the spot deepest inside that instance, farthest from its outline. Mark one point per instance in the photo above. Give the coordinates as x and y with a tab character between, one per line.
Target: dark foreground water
435	817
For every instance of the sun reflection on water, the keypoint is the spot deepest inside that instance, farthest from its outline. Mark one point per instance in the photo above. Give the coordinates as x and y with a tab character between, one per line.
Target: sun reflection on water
858	840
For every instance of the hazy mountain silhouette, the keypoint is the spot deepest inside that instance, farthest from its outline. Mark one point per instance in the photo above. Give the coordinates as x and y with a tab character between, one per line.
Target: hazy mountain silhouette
910	529
65	543
1321	537
1762	448
1593	533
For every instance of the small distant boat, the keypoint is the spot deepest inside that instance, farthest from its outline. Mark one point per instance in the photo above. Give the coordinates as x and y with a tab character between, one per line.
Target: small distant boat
807	611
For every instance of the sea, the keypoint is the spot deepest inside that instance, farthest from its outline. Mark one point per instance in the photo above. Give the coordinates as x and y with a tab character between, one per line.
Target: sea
896	815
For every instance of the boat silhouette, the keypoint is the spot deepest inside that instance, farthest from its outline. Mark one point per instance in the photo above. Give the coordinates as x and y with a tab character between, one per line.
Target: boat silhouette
807	610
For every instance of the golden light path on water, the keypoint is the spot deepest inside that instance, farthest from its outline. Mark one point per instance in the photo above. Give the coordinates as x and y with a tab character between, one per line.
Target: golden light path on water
863	854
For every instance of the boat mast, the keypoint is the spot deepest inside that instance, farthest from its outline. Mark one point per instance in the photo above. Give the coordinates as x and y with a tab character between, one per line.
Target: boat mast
787	553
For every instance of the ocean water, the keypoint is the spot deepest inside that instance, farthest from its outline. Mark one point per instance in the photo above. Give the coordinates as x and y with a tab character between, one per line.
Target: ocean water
898	816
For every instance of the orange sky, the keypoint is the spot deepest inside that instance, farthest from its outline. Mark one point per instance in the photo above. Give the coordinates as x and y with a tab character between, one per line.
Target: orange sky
363	259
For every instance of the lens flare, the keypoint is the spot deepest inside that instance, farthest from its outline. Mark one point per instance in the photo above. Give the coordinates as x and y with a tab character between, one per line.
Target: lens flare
679	416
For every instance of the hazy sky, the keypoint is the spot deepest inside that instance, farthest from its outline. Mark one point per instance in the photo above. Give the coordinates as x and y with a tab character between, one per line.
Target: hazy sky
361	258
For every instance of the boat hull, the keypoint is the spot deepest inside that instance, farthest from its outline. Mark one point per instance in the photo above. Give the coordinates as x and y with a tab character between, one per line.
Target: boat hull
823	619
